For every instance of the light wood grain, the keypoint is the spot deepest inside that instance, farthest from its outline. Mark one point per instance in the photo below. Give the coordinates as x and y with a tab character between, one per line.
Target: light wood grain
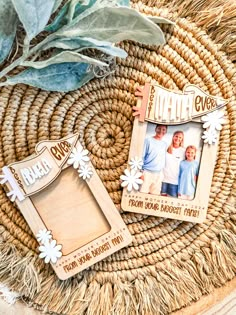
187	210
79	213
58	207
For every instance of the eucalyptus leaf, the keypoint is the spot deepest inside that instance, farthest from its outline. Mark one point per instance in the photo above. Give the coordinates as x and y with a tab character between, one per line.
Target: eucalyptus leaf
61	77
160	20
8	23
115	25
56	5
84	43
34	14
62	18
59	20
62	57
125	3
97	5
113	51
80	10
72	7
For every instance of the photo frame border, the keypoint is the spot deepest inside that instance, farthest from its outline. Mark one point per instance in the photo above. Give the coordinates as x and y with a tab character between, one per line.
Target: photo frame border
117	237
163	206
188	210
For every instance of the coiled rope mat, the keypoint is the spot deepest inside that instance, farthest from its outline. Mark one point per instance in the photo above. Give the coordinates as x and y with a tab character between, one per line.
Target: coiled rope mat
170	263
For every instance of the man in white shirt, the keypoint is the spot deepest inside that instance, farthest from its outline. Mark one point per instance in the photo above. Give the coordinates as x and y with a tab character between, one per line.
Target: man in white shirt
154	154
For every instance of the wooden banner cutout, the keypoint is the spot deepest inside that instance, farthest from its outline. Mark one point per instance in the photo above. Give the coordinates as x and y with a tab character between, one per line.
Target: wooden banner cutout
172	153
66	205
164	106
60	150
34	174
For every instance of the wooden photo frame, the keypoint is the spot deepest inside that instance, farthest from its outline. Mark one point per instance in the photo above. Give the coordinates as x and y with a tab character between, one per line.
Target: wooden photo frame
66	205
171	157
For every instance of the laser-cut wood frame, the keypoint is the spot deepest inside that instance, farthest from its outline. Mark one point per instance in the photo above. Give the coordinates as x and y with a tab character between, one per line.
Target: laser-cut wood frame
162	106
87	223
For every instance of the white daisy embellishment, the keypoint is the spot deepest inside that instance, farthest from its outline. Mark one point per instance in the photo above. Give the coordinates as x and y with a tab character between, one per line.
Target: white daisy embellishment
209	136
50	252
131	179
44	236
3	179
136	163
85	172
214	120
8	295
78	157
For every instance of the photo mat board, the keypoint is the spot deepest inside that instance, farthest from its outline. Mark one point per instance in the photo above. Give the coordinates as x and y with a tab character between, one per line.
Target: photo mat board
176	180
77	212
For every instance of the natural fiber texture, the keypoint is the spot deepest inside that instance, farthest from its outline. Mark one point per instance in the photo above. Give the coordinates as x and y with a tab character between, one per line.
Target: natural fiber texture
216	17
170	263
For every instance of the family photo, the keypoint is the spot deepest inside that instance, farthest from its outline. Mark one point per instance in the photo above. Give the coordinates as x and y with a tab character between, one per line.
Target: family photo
171	160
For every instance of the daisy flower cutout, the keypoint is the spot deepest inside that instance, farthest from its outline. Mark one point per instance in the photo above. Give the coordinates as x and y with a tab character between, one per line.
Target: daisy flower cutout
50	252
8	295
209	136
3	179
214	120
131	179
85	171
136	163
78	157
44	236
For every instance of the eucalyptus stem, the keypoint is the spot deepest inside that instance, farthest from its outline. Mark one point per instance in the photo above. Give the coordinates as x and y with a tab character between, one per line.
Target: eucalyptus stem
3	83
41	44
12	66
27	53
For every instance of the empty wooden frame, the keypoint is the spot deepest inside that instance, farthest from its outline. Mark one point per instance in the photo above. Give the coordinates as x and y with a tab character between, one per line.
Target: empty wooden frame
66	205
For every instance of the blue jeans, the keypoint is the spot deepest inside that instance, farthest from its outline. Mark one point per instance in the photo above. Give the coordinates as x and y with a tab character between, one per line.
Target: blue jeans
169	189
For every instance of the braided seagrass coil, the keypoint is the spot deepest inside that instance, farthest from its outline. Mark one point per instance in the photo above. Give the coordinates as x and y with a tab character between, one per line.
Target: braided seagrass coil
170	263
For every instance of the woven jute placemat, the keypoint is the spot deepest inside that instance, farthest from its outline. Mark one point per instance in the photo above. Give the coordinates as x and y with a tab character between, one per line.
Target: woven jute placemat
169	263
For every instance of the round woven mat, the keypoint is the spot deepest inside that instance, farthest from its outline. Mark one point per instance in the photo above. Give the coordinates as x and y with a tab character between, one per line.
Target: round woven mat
170	263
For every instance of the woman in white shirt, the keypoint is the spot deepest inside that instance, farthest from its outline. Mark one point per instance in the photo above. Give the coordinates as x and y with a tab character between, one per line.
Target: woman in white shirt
175	154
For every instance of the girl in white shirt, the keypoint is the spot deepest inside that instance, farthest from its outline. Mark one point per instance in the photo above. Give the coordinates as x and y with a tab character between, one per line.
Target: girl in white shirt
175	154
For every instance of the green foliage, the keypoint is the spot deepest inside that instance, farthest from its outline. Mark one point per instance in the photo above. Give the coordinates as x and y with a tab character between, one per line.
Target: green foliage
66	14
80	8
34	15
8	23
63	57
61	77
115	25
56	5
80	44
78	27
